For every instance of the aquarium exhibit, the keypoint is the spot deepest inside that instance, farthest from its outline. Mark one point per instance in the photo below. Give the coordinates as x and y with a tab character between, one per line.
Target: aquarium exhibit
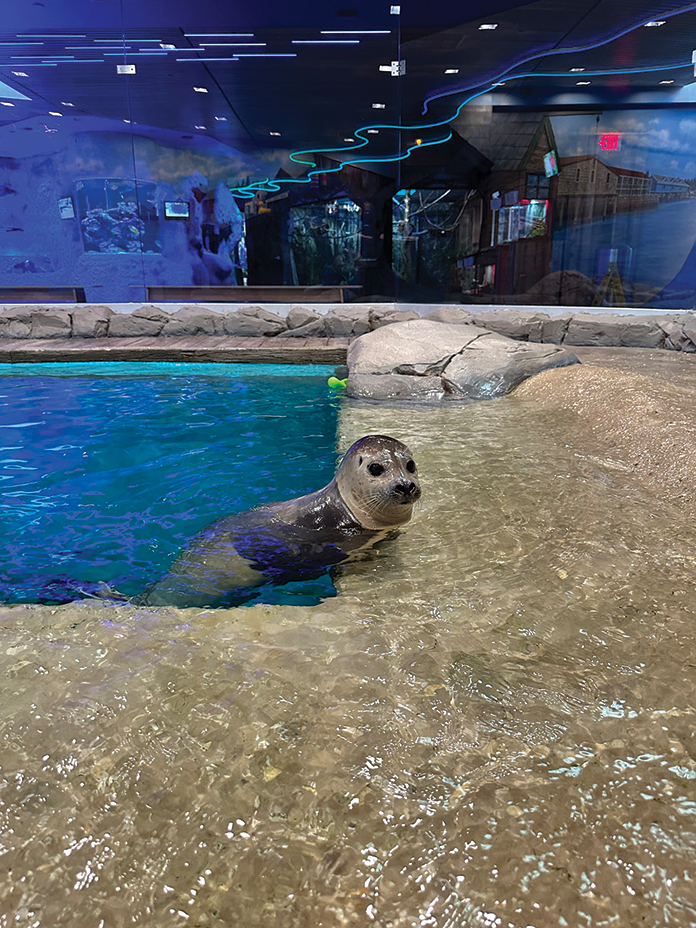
416	153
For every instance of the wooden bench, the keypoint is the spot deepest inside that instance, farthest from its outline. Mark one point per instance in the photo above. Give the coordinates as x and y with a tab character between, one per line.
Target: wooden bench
42	295
262	294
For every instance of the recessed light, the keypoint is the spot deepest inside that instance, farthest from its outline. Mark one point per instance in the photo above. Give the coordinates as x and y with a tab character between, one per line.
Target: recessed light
488	26
20	74
54	113
582	83
373	131
348	140
201	89
451	70
63	103
221	118
3	103
379	106
656	22
274	133
199	127
576	70
666	82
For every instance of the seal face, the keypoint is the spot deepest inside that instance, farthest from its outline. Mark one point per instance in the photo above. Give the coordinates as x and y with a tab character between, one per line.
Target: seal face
372	493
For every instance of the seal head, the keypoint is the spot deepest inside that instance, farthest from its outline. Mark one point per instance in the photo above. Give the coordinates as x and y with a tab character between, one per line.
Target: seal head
378	481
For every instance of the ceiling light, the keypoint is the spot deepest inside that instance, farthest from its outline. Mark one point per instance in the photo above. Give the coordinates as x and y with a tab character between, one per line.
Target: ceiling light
219	35
348	140
355	32
26	35
221	118
656	22
63	103
230	45
395	10
326	41
582	83
373	131
3	103
575	70
206	59
20	74
379	106
199	127
54	113
499	84
201	89
666	82
164	45
274	133
127	120
488	26
264	55
451	70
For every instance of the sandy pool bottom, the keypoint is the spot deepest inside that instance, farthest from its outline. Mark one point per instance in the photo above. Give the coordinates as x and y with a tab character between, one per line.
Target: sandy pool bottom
491	725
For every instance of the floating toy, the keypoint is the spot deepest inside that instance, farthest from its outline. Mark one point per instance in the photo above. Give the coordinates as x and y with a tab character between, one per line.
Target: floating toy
336	384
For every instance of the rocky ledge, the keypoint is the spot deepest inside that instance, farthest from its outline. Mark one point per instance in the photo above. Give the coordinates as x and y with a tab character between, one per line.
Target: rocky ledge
430	360
97	321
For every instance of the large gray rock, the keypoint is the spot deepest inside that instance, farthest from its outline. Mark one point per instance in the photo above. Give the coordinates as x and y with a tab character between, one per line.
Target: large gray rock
347	321
615	330
91	321
51	323
423	358
122	325
19	312
194	320
301	315
253	322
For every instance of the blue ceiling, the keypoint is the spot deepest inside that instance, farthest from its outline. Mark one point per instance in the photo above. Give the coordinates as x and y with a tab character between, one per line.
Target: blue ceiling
307	75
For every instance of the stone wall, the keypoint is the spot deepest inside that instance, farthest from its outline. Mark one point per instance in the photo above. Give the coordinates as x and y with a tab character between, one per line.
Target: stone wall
675	331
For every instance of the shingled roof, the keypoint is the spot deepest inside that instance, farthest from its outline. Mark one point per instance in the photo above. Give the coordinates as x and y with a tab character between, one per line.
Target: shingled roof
506	139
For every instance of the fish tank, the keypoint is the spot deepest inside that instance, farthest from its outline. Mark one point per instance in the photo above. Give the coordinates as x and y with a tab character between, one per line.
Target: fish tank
118	216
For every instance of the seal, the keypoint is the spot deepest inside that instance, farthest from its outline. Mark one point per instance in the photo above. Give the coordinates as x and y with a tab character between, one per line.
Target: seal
371	494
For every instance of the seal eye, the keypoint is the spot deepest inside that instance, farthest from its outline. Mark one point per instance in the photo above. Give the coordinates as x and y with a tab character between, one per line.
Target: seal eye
375	469
411	467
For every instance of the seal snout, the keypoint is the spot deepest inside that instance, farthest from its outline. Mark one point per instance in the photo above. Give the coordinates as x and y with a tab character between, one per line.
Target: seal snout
407	492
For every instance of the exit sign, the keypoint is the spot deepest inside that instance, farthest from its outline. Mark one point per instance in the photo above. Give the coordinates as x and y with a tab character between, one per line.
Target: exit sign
610	141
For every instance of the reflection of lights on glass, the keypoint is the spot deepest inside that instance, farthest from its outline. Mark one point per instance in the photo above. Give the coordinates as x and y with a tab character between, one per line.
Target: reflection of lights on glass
199	127
656	22
395	10
6	104
20	74
221	118
488	26
379	106
54	113
63	103
610	141
582	83
274	133
575	70
419	141
201	89
373	131
666	82
451	70
348	140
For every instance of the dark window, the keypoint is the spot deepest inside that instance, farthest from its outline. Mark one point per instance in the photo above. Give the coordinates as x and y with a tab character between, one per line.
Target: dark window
537	187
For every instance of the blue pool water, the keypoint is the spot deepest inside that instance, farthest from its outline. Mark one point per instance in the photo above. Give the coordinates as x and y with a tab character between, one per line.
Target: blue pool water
107	469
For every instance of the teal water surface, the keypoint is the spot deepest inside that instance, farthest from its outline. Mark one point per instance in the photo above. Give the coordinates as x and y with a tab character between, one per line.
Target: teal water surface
107	469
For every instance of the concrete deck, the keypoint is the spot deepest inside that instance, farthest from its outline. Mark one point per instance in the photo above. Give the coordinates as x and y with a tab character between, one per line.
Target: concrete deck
222	349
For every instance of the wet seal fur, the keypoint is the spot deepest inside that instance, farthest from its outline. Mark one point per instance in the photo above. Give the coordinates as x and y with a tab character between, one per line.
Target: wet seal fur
371	494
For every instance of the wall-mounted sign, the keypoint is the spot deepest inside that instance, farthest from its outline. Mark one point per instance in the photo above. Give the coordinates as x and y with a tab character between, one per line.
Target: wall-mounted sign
610	141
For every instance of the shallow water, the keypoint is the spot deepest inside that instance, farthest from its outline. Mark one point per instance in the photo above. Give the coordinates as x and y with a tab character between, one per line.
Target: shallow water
491	725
